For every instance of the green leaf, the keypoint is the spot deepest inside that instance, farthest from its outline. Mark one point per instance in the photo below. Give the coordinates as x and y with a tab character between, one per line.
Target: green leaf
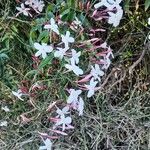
65	12
71	16
30	73
43	35
147	4
45	61
71	3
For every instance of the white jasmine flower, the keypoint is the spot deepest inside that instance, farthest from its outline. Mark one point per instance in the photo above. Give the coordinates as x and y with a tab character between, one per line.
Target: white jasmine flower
114	18
47	146
5	108
74	68
109	53
42	49
75	56
96	72
53	26
3	124
73	97
38	5
62	112
18	94
91	87
107	63
80	106
64	121
107	60
23	10
66	39
60	53
110	4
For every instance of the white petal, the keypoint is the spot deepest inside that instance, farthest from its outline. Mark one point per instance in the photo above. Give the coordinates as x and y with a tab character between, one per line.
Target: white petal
38	46
52	21
77	70
44	55
25	13
149	21
59	111
48	48
38	53
67	34
68	120
90	93
104	45
65	109
47	26
96	6
58	54
78	92
71	39
42	148
19	9
56	30
22	6
15	93
48	143
69	67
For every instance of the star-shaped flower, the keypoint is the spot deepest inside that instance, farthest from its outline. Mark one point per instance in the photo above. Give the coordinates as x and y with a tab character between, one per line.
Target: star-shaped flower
91	87
18	94
38	5
64	121
114	18
96	72
60	53
53	26
74	68
62	112
5	108
73	97
66	39
107	63
47	146
75	56
23	10
42	49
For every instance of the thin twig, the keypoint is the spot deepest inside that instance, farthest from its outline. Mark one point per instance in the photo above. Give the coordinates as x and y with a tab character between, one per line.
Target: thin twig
139	60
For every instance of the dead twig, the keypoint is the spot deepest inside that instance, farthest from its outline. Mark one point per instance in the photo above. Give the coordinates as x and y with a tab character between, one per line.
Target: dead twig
139	60
119	81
